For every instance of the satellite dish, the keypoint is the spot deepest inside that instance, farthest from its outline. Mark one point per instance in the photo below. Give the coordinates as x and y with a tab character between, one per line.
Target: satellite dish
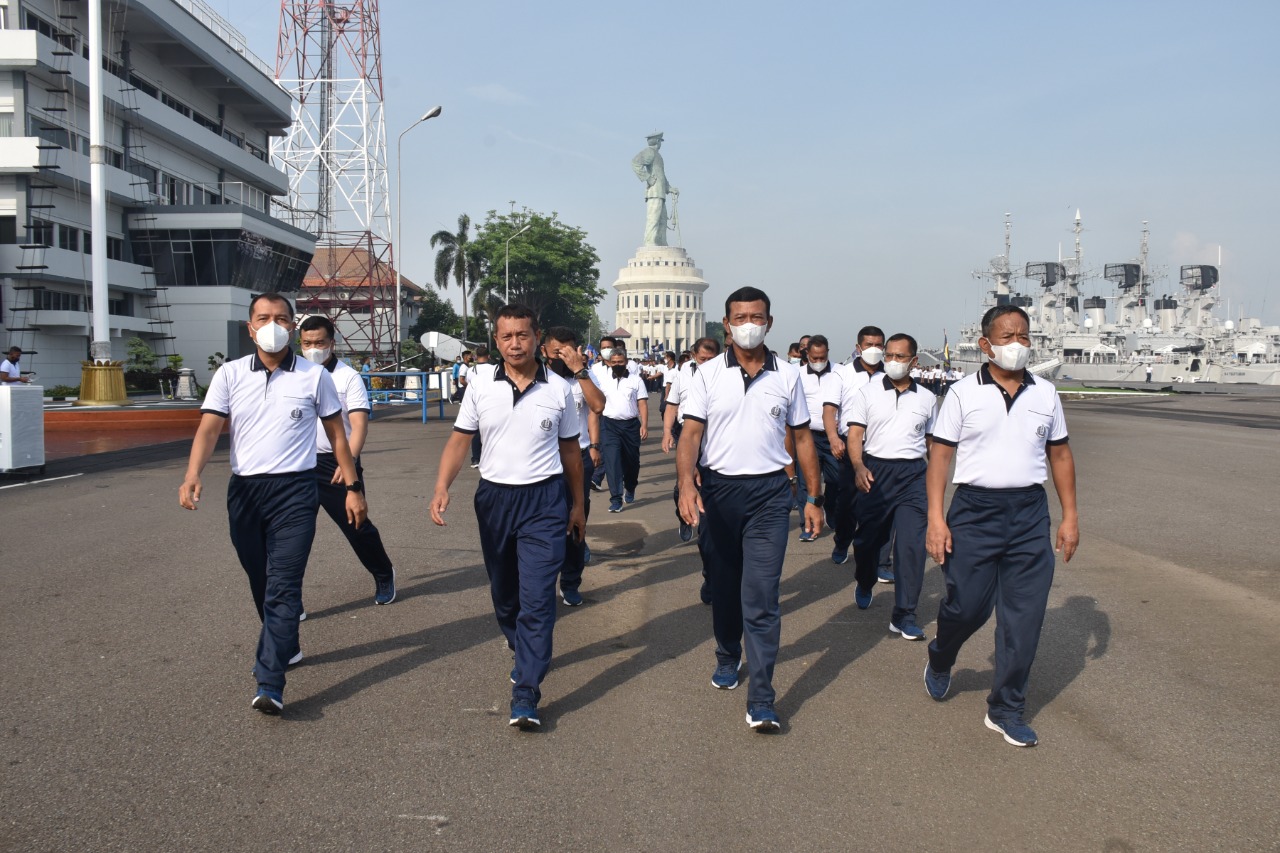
442	346
1088	322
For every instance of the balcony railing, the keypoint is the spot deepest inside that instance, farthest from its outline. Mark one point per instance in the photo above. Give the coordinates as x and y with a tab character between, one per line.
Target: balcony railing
219	26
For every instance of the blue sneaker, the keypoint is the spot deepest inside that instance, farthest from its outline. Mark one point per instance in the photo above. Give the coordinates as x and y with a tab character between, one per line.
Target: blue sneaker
597	485
840	555
586	554
515	675
1015	731
615	506
385	591
686	532
268	701
908	629
862	597
761	718
937	683
572	598
524	715
629	497
884	574
726	676
806	536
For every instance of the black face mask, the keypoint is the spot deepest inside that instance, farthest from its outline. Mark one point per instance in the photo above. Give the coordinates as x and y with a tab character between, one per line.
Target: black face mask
558	367
620	372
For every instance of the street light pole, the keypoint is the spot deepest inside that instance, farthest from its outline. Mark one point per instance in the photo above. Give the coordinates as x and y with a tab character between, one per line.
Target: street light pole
506	295
399	259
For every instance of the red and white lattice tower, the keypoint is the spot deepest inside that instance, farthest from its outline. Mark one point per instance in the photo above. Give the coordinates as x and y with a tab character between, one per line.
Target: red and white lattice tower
329	59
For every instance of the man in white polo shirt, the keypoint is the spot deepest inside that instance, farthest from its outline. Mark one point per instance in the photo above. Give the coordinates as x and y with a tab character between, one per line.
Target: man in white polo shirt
530	455
316	335
822	393
740	409
623	425
1000	426
890	427
273	399
566	360
9	370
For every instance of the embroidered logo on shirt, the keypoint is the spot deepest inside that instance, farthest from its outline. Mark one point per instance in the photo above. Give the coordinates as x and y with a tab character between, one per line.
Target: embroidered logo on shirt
776	412
920	427
296	415
546	425
1042	430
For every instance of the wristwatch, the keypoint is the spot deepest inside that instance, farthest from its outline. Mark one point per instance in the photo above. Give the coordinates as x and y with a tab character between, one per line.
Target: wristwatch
593	447
795	481
817	500
357	486
583	374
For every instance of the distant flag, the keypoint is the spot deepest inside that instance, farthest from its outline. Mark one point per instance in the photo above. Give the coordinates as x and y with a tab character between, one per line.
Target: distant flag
946	350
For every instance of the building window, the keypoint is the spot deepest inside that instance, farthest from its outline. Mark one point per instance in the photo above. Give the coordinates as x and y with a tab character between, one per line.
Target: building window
41	231
56	300
143	86
115	248
646	300
668	300
174	104
8	230
68	238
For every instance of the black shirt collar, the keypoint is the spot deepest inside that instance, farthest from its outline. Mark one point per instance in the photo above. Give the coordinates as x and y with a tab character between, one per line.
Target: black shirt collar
288	363
889	386
770	359
858	366
985	378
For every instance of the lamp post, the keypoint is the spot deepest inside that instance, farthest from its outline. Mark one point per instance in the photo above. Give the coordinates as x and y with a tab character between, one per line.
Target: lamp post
506	295
395	344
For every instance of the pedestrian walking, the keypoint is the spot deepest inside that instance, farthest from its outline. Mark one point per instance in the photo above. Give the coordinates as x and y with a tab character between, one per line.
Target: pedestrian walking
624	425
273	399
1005	430
822	391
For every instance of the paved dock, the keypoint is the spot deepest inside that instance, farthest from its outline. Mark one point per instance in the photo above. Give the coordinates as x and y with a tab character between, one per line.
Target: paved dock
127	636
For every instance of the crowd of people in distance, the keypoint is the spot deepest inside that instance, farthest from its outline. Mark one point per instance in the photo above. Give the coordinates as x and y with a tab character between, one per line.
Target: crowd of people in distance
864	448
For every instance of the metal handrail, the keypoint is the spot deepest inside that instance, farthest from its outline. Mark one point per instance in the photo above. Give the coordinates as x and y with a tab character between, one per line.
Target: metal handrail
221	28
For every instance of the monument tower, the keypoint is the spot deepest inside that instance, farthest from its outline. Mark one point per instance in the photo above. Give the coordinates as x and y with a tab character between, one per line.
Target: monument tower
659	290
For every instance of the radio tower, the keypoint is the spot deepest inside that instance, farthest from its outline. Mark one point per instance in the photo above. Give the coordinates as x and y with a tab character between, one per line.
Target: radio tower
329	59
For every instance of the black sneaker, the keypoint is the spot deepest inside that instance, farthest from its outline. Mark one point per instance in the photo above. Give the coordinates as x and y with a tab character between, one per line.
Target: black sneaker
385	591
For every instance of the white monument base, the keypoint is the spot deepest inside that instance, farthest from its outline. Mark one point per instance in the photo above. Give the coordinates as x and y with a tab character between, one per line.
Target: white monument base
660	294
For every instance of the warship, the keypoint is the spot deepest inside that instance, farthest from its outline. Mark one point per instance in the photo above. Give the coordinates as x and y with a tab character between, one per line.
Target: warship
1115	338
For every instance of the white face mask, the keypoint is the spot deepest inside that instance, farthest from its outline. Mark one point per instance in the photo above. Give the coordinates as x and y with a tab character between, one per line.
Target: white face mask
319	356
871	356
897	370
795	359
606	352
1012	356
749	335
818	366
272	337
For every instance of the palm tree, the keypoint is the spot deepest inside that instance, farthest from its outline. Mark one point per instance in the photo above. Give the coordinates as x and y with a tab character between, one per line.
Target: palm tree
455	258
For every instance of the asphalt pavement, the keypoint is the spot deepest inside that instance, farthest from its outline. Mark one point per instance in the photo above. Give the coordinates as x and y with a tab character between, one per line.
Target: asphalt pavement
128	636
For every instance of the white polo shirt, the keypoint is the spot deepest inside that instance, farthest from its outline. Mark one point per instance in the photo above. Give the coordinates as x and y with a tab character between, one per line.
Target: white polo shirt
273	414
580	401
895	423
352	394
622	396
821	390
601	371
8	368
1000	440
853	376
520	431
746	419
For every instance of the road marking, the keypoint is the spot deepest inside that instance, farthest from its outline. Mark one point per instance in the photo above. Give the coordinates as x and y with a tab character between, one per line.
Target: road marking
49	480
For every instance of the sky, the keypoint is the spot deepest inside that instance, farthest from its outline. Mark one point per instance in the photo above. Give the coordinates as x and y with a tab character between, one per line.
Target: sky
854	160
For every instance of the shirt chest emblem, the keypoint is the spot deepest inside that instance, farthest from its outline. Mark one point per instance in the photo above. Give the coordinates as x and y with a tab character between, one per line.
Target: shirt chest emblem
546	424
295	415
1042	430
775	412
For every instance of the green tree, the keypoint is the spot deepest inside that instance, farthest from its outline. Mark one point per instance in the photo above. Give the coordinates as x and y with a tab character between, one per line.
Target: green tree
435	315
457	257
554	270
715	330
140	355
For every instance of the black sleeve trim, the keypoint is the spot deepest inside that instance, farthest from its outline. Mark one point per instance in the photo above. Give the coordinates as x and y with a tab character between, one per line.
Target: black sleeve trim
337	413
857	424
799	426
1055	442
215	412
945	442
465	431
574	438
366	411
695	418
830	405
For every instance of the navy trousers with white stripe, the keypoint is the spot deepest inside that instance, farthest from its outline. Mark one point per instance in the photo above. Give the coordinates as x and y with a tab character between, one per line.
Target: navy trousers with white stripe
365	540
744	546
620	445
273	522
571	572
1002	557
896	502
522	538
